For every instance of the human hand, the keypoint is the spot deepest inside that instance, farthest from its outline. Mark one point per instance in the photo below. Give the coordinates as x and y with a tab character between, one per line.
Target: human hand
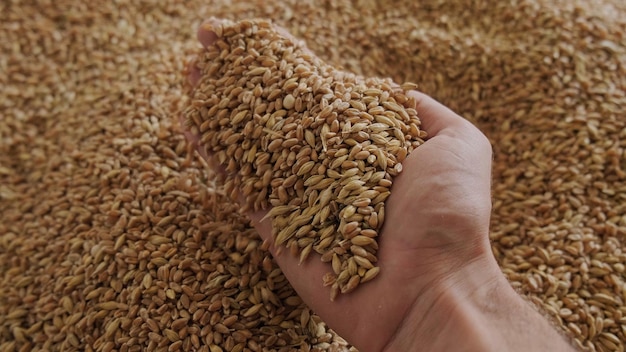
434	254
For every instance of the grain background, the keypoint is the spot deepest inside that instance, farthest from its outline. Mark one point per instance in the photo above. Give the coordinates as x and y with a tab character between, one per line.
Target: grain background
113	237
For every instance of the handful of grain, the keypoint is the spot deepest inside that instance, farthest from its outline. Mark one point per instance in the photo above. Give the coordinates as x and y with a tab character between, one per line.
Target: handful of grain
315	146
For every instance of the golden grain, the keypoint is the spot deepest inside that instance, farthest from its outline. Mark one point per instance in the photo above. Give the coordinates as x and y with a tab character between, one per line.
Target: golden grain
90	156
314	150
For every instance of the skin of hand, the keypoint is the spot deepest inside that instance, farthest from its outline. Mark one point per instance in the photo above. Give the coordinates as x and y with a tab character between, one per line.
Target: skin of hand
439	287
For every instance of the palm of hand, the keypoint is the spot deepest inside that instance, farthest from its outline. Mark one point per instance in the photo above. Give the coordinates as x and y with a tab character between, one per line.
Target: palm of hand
437	220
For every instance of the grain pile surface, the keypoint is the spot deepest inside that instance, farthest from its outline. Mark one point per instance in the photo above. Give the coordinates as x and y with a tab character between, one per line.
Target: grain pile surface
113	237
318	145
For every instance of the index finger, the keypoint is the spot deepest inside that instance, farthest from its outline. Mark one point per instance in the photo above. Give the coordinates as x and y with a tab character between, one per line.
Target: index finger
435	117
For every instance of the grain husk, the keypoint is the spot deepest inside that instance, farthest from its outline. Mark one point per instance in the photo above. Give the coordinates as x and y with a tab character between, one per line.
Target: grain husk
331	194
92	159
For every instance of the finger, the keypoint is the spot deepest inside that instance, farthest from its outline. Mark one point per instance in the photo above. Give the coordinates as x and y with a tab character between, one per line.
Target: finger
193	73
435	117
206	32
207	37
454	150
439	120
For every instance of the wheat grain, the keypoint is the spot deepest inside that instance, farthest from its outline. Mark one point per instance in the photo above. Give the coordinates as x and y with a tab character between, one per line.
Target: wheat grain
87	170
321	152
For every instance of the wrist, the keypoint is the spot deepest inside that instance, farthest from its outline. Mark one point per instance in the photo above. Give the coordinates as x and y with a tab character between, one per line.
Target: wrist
450	313
475	309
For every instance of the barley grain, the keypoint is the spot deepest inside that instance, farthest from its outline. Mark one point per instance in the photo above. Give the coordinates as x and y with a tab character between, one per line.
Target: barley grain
329	152
87	136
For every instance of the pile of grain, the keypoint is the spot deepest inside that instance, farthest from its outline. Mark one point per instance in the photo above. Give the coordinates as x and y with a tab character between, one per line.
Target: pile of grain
110	238
319	145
